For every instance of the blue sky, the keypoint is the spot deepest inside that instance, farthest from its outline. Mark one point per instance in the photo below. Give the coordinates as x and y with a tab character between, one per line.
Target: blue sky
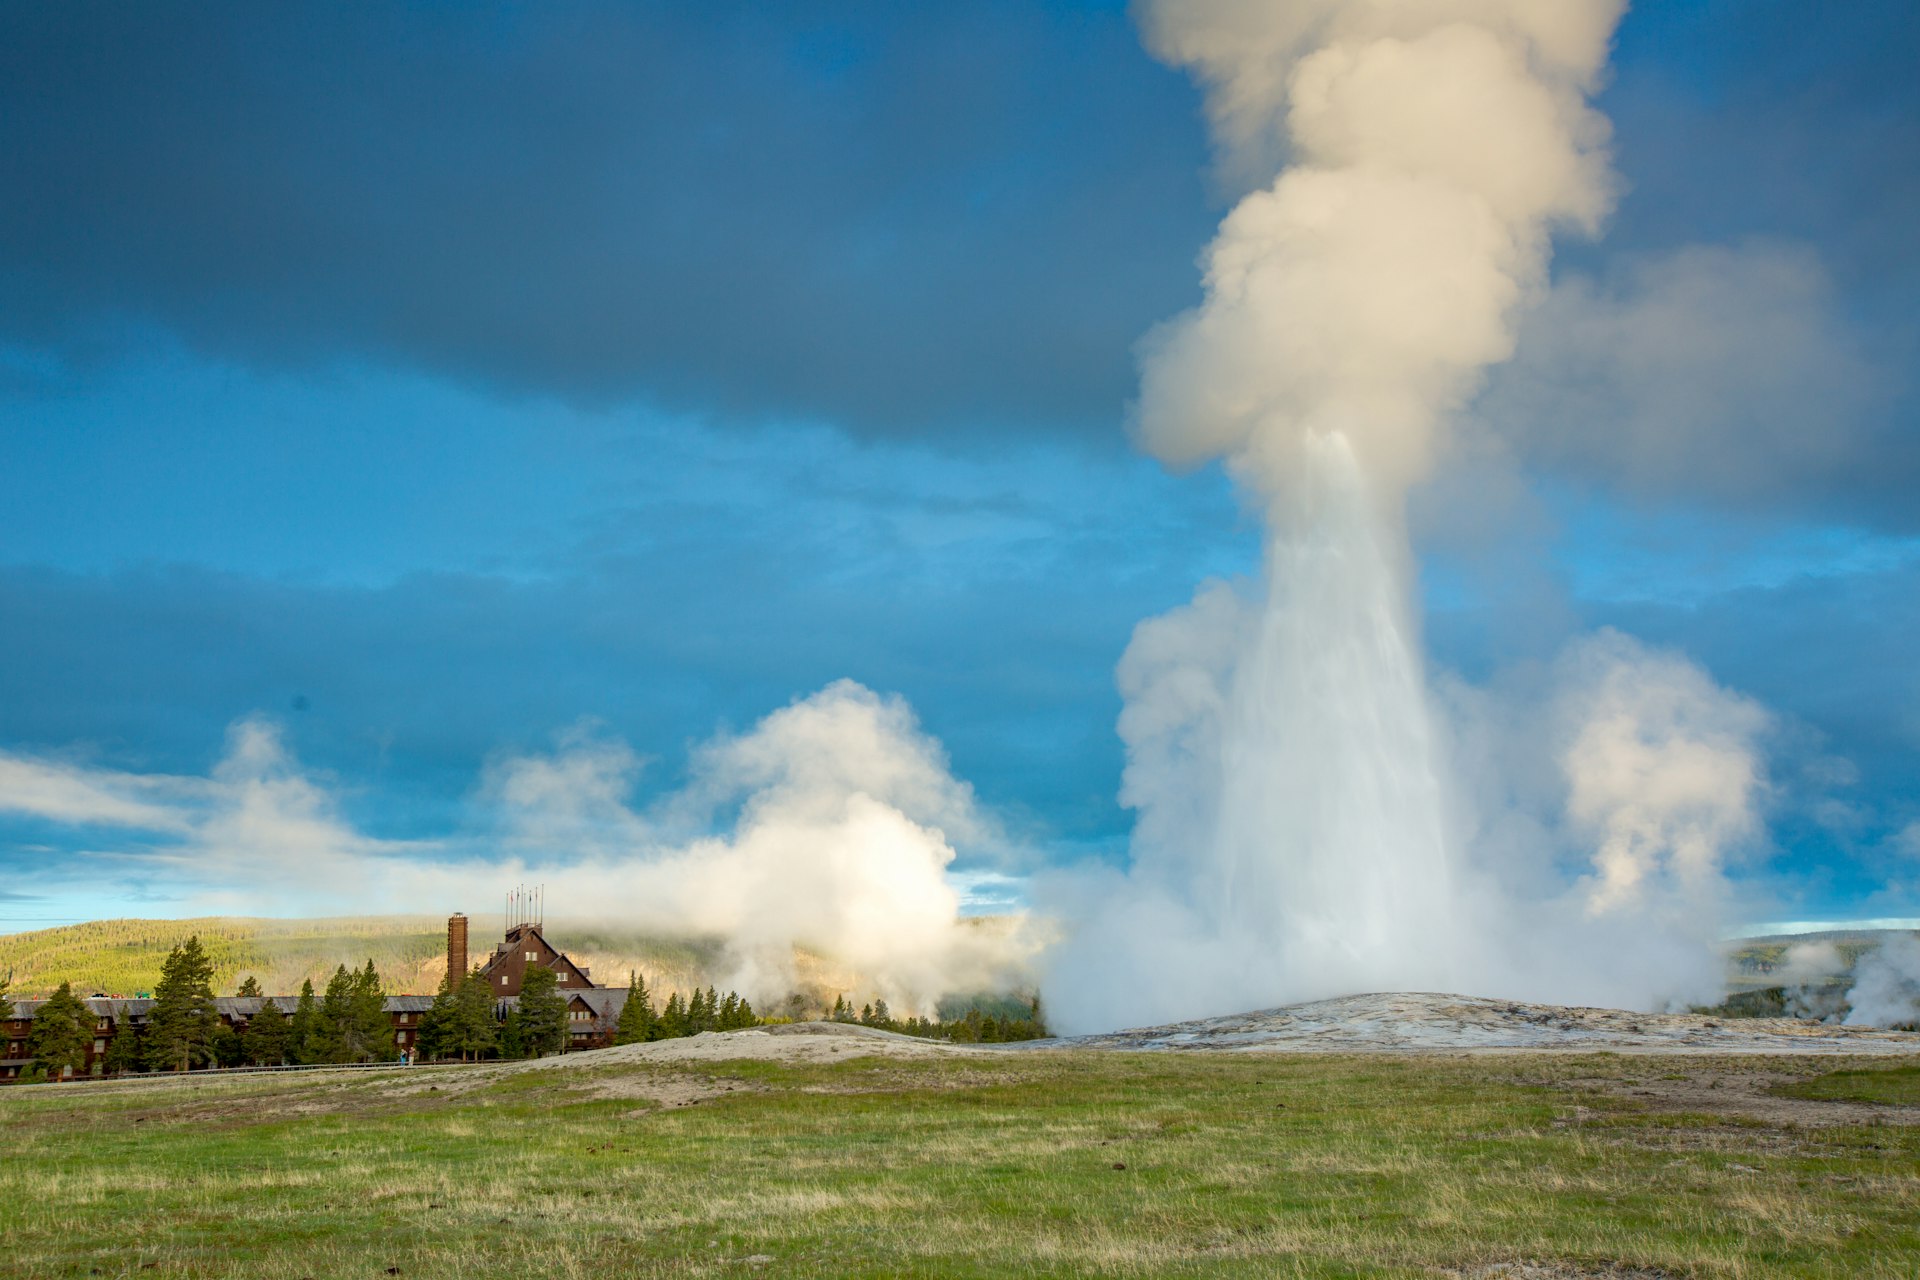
430	382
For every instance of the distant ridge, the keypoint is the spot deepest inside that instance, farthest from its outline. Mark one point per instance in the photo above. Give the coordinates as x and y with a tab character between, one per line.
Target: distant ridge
123	957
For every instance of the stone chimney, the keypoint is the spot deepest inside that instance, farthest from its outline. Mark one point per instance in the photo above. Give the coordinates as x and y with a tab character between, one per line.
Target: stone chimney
456	948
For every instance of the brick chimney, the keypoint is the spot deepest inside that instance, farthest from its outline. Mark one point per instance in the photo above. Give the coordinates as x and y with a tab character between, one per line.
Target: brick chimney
456	948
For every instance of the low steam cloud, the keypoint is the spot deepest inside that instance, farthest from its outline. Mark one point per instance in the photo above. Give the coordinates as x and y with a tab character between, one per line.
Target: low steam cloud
1886	984
831	825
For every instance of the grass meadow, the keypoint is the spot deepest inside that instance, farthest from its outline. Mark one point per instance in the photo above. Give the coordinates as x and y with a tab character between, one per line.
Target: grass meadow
1011	1164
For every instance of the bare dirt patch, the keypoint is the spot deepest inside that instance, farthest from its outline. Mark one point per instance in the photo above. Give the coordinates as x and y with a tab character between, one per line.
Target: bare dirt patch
1732	1089
786	1042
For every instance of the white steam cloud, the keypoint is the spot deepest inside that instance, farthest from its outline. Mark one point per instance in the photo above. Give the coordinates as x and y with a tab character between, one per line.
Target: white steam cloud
1886	984
830	825
1310	822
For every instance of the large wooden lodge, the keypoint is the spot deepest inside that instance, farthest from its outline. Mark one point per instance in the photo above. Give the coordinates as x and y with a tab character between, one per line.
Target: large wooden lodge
593	1010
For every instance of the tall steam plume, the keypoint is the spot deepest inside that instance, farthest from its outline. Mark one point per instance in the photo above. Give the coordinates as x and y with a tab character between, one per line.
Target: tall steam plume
1299	828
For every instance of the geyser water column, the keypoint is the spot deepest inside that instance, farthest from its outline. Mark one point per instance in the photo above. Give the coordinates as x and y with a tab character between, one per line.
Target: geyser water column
1293	813
1329	845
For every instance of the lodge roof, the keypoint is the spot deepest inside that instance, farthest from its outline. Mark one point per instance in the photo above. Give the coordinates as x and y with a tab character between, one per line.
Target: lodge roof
230	1006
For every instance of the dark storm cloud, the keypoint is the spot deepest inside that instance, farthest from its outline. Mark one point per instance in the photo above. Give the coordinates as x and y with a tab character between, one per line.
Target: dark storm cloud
888	216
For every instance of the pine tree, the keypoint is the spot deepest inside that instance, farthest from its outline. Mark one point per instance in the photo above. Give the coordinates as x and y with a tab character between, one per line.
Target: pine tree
368	1035
744	1014
184	1023
303	1029
265	1040
710	1017
228	1049
329	1043
251	987
513	1038
729	1012
125	1052
882	1016
637	1021
543	1012
472	1031
61	1033
673	1019
436	1022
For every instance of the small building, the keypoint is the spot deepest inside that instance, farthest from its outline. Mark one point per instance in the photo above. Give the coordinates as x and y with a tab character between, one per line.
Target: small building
592	1011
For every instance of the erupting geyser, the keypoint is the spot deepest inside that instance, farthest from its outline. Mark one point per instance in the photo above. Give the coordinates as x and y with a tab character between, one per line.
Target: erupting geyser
1299	831
1330	812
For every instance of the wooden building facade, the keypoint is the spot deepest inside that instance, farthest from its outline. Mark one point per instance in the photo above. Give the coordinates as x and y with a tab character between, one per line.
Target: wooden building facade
592	1011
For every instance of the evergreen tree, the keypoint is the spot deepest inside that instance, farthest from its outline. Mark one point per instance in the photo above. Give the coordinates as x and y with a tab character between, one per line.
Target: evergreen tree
744	1015
228	1048
265	1042
729	1012
329	1041
436	1022
866	1015
61	1034
125	1052
184	1022
303	1029
543	1012
673	1019
696	1015
368	1034
251	987
710	1016
882	1016
637	1021
471	1030
513	1037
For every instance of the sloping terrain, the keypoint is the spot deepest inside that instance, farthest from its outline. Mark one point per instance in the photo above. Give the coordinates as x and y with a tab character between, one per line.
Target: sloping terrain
1419	1021
123	957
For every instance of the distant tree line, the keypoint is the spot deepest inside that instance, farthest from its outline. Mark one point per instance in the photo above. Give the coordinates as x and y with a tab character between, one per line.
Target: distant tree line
349	1023
972	1027
183	1029
702	1011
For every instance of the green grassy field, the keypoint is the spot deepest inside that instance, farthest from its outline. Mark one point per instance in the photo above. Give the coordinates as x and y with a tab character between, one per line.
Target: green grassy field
1034	1164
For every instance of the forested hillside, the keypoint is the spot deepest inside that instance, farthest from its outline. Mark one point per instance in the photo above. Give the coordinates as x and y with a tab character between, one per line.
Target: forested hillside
123	957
